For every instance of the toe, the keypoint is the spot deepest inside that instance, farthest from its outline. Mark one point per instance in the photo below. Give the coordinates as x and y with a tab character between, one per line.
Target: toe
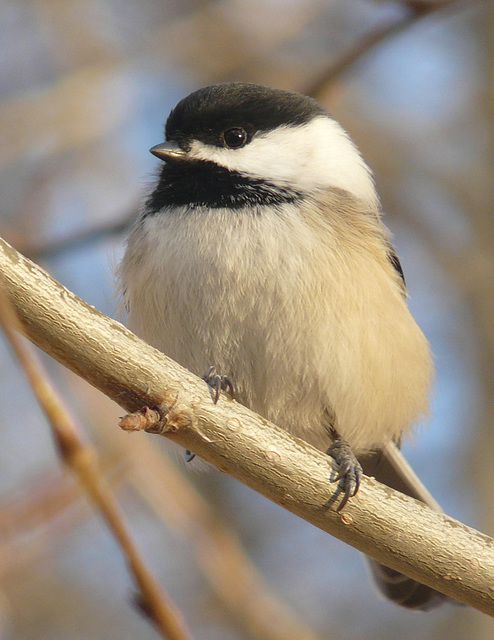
349	472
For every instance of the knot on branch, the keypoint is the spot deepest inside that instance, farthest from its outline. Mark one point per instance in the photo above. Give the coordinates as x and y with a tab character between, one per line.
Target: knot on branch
145	419
166	418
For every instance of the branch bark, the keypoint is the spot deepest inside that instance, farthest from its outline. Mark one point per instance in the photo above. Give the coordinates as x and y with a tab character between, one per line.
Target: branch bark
391	528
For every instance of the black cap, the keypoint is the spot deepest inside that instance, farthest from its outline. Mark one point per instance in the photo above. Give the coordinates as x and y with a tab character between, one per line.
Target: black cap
205	114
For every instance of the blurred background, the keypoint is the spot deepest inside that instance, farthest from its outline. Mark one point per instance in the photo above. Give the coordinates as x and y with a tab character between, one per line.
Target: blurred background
85	87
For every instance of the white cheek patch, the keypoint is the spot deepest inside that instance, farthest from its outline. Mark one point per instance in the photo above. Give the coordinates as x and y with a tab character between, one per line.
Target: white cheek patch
306	157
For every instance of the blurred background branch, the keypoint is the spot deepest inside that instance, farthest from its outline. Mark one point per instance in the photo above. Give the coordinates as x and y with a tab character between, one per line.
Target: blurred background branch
80	458
84	91
375	37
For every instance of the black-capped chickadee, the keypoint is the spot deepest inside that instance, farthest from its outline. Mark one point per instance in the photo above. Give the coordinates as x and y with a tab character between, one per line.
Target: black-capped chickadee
261	252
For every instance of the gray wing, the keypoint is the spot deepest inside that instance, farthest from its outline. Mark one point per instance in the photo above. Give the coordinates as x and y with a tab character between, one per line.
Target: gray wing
395	261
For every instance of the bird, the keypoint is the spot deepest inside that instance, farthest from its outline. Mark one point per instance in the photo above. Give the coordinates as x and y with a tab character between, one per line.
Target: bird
260	262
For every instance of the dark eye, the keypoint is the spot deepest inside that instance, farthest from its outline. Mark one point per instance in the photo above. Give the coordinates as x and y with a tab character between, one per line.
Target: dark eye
235	137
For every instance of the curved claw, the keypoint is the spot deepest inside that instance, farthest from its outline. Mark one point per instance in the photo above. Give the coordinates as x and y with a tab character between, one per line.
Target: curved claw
215	383
218	383
350	471
189	456
227	385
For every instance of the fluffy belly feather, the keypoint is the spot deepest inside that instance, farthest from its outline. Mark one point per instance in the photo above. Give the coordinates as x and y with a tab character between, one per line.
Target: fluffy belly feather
309	327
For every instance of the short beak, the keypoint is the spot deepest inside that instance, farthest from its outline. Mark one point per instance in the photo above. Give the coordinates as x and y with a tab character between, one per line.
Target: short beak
163	152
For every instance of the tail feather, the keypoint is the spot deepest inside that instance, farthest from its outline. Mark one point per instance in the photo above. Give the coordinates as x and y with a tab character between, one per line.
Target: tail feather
404	591
390	467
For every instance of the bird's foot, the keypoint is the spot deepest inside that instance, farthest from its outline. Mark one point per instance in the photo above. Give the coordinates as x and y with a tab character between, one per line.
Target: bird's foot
218	383
350	470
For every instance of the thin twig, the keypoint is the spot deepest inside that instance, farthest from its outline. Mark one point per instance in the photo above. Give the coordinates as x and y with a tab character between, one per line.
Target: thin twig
81	239
370	40
80	457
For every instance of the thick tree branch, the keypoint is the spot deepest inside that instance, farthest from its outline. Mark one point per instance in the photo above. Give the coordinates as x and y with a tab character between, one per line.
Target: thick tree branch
395	530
